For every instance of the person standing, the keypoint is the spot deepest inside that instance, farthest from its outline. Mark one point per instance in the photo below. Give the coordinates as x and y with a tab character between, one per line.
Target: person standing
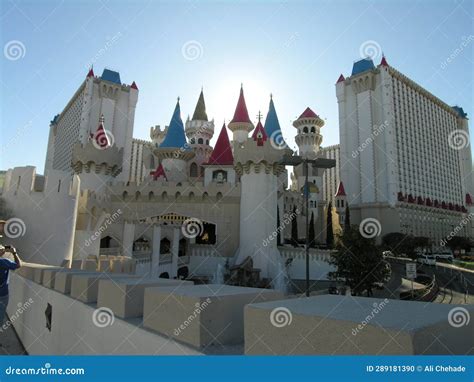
6	265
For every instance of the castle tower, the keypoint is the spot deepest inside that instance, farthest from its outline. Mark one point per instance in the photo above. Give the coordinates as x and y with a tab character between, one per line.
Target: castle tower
341	203
97	95
157	135
308	137
98	161
174	152
199	131
257	163
220	167
241	124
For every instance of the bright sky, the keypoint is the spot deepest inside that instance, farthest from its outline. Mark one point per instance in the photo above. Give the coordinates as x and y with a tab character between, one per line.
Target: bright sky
294	49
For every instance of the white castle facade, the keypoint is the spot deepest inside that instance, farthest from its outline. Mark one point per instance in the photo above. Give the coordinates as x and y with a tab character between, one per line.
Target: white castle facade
180	207
176	205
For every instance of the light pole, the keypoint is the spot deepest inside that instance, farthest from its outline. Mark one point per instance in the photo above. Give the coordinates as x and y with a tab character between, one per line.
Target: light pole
296	160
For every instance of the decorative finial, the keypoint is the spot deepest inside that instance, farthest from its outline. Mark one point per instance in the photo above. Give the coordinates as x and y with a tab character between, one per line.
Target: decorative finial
271	96
178	99
259	115
202	88
241	85
101	119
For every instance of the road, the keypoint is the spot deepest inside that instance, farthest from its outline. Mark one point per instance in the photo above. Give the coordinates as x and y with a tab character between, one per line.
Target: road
456	287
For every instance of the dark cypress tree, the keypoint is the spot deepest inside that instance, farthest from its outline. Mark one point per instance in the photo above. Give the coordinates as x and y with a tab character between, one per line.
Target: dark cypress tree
278	226
329	230
294	228
347	219
312	236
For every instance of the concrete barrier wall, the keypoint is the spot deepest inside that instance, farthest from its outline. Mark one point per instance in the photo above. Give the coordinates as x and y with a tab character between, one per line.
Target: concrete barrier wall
73	330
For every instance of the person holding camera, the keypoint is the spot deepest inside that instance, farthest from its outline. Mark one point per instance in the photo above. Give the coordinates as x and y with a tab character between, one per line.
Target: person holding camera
6	265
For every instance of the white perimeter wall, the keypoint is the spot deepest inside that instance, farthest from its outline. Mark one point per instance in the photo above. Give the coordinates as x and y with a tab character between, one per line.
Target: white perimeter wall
73	331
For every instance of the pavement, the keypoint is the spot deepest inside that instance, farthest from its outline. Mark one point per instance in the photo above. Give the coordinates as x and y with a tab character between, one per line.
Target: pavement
9	342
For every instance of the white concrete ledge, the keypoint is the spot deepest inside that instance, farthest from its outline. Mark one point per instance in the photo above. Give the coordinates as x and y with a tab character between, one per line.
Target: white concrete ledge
77	328
201	315
85	287
125	296
39	273
63	280
354	325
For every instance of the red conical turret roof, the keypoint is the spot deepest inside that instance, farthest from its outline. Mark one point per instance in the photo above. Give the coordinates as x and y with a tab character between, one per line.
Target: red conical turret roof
160	171
134	85
241	114
384	61
222	153
91	72
259	134
101	138
308	113
340	190
340	79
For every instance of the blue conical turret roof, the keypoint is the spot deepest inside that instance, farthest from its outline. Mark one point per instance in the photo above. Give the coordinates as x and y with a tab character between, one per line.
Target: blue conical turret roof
272	125
175	135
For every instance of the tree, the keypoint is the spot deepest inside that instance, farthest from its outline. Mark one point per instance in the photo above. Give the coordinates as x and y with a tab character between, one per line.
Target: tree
458	242
294	228
329	230
347	218
399	244
421	242
312	236
359	262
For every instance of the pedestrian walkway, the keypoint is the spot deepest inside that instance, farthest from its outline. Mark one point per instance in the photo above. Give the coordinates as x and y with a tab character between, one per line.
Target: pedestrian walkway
9	342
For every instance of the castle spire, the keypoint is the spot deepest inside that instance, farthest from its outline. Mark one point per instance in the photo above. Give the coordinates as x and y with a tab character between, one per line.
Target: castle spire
222	153
272	125
383	62
175	135
241	114
340	190
200	110
259	134
100	137
241	124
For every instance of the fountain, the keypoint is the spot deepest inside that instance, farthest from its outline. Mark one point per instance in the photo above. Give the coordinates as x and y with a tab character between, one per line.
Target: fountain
281	280
219	275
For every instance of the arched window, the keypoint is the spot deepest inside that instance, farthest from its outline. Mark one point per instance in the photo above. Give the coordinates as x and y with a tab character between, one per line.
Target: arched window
313	130
193	141
305	129
151	195
165	246
200	141
207	141
125	195
193	170
137	195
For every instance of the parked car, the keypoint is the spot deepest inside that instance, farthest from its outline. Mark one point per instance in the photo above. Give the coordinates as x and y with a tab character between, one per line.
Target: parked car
445	256
426	259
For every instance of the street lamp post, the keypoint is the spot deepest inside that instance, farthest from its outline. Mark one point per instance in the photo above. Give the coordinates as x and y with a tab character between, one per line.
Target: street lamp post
296	160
